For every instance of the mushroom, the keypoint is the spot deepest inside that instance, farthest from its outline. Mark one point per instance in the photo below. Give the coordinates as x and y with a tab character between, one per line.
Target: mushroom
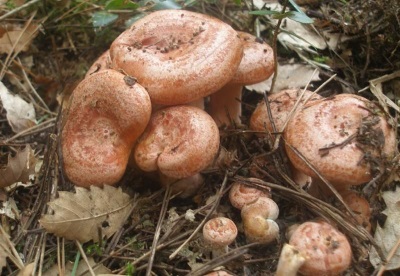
184	187
218	233
179	142
360	207
290	261
281	104
259	220
345	138
177	55
257	65
327	250
241	194
107	113
102	62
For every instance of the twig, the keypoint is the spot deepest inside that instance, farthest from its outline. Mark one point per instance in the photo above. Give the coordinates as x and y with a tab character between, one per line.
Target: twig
78	244
220	192
20	8
157	233
389	257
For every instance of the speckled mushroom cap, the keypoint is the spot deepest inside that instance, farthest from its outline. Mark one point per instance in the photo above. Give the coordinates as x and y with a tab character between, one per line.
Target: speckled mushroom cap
179	141
327	249
178	56
281	104
108	111
257	63
346	138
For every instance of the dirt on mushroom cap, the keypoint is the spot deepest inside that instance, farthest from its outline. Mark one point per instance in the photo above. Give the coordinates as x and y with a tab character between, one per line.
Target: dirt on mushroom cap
178	56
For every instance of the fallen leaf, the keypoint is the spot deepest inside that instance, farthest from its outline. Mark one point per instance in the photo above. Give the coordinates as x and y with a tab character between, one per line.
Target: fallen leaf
19	167
80	216
292	75
81	270
10	209
13	37
388	235
20	114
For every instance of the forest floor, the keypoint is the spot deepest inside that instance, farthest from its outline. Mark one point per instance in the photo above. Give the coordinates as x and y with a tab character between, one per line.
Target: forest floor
46	48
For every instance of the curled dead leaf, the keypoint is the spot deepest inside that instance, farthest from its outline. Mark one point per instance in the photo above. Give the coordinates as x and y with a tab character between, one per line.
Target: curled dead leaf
83	215
20	114
14	37
18	168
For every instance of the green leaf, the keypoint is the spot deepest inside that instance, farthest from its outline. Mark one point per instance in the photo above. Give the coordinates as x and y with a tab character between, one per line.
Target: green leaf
121	5
103	18
264	12
299	17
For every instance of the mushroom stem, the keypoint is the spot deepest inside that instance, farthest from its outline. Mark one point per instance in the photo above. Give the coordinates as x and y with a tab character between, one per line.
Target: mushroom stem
290	260
226	106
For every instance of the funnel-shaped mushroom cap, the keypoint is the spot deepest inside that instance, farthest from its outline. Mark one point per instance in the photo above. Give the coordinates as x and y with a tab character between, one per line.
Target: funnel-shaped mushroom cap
346	138
179	141
178	56
108	112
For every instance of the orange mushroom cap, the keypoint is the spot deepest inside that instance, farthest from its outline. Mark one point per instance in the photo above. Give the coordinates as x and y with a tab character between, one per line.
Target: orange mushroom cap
327	250
179	141
345	138
108	111
178	56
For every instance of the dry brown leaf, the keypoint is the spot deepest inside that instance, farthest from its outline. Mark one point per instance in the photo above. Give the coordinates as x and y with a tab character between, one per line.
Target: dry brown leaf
19	167
81	270
13	36
81	215
388	235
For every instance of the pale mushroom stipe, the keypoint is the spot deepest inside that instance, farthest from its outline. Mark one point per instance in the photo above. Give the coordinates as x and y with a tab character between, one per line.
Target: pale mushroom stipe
177	55
256	65
108	112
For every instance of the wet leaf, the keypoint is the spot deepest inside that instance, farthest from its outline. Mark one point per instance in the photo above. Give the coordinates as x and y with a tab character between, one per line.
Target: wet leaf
388	235
20	114
18	168
121	5
83	215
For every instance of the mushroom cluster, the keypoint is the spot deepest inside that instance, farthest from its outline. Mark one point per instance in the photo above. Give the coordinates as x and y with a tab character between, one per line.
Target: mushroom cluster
175	58
258	212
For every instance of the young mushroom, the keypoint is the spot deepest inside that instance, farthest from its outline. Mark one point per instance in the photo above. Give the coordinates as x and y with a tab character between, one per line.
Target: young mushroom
256	65
241	194
345	138
179	142
327	250
107	113
177	55
218	233
360	207
259	220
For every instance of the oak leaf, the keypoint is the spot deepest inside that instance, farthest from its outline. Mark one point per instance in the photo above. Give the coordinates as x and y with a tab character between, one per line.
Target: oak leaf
18	168
83	215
